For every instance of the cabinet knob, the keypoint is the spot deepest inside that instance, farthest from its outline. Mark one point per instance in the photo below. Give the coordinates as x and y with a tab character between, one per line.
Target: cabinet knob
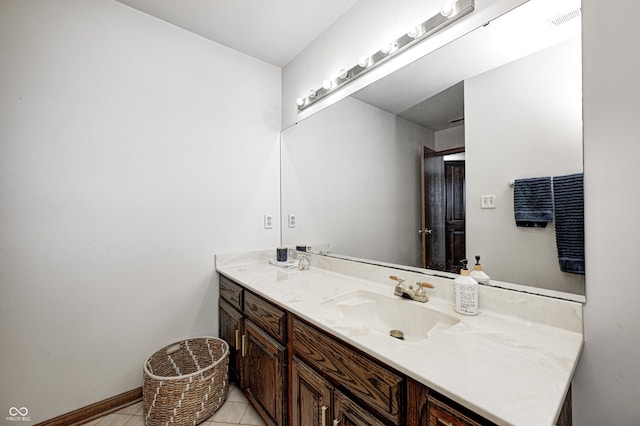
324	415
335	422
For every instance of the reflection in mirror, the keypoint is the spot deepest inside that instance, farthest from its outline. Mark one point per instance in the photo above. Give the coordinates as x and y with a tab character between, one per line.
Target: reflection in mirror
505	100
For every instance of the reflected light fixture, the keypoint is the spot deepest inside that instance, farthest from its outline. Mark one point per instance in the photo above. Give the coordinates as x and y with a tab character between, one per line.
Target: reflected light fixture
451	11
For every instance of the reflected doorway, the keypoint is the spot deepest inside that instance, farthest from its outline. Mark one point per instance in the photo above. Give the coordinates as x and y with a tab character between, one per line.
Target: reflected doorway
443	209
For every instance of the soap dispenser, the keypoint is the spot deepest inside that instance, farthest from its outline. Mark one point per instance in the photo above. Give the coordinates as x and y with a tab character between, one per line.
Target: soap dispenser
478	274
465	292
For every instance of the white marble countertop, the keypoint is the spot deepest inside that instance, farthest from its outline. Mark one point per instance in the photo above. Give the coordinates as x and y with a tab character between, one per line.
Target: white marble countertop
512	363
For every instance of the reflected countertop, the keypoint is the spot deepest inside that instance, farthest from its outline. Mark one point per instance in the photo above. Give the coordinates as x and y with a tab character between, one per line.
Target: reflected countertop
512	363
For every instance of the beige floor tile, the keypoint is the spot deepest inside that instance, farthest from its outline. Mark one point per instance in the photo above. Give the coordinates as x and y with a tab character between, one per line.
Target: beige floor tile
113	420
132	409
251	417
236	395
135	421
230	412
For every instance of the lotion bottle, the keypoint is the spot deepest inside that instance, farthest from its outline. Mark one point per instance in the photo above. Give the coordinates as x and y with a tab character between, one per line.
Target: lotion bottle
478	274
465	291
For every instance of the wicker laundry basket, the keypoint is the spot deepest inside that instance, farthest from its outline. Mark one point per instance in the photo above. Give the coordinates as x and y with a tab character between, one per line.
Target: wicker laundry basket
186	382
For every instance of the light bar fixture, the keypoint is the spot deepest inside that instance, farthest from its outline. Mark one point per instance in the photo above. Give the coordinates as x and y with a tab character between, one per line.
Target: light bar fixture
451	11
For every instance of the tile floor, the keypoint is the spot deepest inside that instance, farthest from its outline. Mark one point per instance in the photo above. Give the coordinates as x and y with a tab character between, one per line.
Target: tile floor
235	411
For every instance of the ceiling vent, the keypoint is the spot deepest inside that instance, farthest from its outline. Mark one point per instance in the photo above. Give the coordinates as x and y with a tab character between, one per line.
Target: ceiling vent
565	17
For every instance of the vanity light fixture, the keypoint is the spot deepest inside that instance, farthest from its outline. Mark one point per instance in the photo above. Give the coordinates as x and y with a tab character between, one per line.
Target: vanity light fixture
451	11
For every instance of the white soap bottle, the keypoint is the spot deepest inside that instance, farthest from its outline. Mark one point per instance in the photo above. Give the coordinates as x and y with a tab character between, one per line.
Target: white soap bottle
465	292
478	274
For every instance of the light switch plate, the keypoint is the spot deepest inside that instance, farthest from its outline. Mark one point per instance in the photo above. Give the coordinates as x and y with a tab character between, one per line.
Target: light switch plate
488	202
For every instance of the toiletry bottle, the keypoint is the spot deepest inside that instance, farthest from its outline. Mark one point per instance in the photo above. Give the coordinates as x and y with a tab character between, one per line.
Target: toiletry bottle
465	292
303	261
478	274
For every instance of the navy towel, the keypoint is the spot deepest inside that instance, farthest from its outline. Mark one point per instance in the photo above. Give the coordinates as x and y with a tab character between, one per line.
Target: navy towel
533	202
568	199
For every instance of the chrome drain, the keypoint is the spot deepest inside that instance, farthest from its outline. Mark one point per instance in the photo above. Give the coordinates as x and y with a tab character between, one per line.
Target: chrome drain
397	334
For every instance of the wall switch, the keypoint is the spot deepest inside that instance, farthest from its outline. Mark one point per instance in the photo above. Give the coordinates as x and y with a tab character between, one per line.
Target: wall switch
488	202
268	221
291	219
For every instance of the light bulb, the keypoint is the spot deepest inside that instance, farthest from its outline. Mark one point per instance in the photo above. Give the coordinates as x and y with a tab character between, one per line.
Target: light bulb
300	102
312	93
364	61
447	8
343	73
415	32
327	84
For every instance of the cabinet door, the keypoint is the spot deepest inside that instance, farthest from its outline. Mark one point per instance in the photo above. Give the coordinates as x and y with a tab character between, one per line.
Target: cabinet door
348	413
441	414
231	324
311	396
417	404
265	373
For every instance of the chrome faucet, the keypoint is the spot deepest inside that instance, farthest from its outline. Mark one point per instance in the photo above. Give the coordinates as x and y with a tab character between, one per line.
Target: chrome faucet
419	294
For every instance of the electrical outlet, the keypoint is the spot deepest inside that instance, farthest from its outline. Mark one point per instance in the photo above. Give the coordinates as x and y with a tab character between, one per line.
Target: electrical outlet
268	221
488	202
291	219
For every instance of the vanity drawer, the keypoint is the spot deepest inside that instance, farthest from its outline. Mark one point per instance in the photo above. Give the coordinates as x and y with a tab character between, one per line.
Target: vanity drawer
231	292
266	315
369	381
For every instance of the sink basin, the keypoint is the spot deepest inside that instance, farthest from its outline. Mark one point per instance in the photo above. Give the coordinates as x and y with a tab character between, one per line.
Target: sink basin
384	313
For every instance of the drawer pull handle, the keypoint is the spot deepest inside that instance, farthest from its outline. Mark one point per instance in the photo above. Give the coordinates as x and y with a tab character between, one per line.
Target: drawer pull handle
244	345
324	415
335	422
237	339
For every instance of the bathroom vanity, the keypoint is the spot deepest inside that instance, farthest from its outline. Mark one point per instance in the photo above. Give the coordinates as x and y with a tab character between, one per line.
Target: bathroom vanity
313	347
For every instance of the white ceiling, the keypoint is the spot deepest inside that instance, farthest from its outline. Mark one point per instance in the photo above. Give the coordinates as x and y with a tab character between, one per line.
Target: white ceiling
274	31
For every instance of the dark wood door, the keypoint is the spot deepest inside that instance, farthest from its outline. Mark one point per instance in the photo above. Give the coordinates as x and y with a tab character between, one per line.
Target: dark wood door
231	324
348	413
265	371
442	188
454	214
311	396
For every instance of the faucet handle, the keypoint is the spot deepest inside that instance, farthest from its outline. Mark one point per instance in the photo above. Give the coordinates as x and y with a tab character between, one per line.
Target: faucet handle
396	278
425	284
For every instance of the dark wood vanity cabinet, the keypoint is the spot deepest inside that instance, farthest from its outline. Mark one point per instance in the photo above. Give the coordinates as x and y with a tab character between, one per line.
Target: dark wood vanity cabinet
256	332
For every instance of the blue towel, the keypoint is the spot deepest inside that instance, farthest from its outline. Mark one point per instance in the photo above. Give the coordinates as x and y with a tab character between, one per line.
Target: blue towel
533	202
568	199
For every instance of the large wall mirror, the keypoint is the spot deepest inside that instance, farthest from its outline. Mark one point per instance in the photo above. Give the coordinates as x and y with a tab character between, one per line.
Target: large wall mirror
400	171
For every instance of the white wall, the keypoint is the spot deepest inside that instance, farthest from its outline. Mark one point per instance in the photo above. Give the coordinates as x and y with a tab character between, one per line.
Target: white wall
378	151
530	112
606	387
450	138
363	30
130	153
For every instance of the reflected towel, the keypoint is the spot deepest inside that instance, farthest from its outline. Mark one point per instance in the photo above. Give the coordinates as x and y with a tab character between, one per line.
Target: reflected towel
533	202
568	199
